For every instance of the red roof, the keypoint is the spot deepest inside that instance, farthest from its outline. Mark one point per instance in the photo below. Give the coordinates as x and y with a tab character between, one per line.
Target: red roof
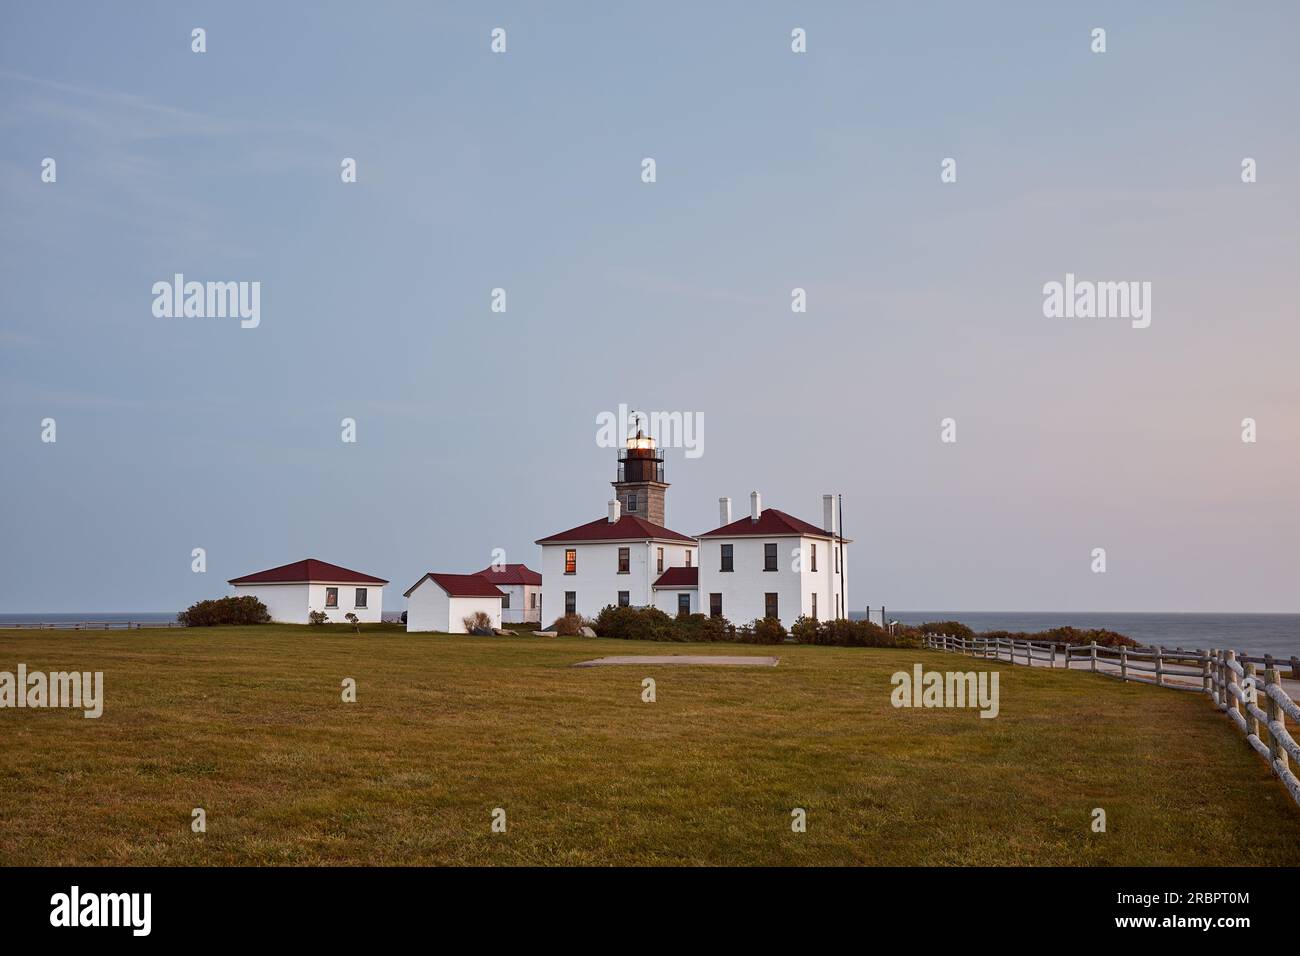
626	528
308	571
460	585
770	524
679	578
511	574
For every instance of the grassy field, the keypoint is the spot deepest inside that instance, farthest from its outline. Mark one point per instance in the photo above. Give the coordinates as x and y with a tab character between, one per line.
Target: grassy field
248	723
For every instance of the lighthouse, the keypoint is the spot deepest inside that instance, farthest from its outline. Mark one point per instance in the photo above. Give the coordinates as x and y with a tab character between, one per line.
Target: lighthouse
640	485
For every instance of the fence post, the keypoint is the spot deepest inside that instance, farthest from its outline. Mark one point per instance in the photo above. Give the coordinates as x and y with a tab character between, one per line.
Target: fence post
1252	725
1295	669
1123	662
1205	672
1277	755
1053	661
1224	696
1160	672
1094	657
1230	678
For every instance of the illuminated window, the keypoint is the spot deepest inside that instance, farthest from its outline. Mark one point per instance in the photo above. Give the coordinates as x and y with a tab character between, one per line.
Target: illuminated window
570	560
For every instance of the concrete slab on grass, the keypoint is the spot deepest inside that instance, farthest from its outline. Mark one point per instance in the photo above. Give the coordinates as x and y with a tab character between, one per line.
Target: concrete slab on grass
707	660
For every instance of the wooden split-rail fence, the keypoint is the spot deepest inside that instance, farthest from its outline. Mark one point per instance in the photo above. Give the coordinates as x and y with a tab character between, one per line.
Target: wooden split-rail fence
89	625
1233	682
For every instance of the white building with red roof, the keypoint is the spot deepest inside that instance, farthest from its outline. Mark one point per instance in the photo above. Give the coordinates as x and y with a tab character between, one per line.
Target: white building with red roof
612	560
769	564
442	602
292	591
772	564
522	587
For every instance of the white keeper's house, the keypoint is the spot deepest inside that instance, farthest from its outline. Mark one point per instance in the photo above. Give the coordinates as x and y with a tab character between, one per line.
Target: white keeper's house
767	564
522	587
292	591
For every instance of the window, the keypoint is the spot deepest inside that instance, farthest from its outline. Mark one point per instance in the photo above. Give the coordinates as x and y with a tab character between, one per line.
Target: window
715	605
331	597
769	604
683	605
814	607
624	598
631	502
624	559
814	560
570	560
570	602
769	556
661	560
505	601
360	599
533	602
837	562
726	558
688	557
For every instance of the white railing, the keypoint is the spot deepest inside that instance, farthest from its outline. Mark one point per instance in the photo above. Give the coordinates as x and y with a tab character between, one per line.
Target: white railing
1232	683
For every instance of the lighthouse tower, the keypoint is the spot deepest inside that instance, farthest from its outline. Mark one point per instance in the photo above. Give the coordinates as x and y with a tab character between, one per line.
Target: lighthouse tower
640	485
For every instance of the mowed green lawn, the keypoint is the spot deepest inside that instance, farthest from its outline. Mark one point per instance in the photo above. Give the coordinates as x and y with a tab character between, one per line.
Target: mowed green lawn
249	724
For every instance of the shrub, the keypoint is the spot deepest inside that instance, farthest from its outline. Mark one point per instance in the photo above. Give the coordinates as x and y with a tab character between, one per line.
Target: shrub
403	617
477	623
354	621
638	624
805	629
763	630
947	629
246	609
318	617
700	627
570	625
1065	635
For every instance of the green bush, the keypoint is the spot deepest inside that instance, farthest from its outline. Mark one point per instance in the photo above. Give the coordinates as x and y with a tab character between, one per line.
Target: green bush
1065	635
638	624
246	609
700	627
947	629
763	630
805	629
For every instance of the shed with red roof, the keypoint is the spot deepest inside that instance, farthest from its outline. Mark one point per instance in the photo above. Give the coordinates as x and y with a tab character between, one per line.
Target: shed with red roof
443	603
292	592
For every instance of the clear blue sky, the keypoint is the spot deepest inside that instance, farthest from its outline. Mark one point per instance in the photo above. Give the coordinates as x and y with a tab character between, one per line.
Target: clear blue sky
775	170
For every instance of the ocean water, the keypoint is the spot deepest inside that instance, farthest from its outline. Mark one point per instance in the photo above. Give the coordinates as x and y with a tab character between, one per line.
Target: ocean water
1276	634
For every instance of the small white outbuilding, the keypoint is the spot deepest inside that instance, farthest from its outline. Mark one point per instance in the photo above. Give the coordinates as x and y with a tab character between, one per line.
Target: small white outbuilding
292	591
441	602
